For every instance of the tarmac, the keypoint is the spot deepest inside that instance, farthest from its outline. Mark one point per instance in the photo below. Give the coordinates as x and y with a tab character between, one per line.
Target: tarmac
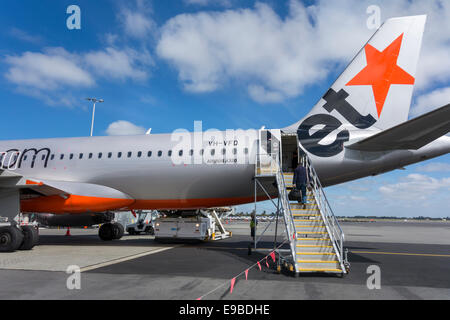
413	259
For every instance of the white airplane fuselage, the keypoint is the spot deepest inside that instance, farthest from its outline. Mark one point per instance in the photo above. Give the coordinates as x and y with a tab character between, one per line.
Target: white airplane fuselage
158	180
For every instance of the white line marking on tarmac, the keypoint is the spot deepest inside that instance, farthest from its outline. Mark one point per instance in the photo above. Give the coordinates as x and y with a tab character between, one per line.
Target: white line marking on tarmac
134	256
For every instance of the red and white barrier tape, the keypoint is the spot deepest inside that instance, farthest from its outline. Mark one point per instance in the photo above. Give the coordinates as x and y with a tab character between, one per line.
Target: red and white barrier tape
232	282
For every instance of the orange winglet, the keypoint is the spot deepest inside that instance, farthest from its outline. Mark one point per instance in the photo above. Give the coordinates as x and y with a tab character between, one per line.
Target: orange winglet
28	182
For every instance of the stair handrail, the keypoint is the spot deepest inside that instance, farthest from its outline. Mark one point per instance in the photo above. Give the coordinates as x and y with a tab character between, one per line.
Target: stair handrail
275	169
287	213
334	229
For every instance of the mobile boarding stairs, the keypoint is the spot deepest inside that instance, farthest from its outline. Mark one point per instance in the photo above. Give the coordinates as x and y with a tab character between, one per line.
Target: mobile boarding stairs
315	239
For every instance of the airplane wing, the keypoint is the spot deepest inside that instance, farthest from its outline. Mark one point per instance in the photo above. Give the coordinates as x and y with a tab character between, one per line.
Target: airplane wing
48	187
412	134
11	180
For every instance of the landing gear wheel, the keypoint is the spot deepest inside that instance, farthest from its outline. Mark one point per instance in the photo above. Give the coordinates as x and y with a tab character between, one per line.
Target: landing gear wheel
106	232
118	231
10	239
30	238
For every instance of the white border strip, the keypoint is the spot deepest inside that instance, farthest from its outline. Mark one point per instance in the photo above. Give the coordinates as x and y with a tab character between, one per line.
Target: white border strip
135	256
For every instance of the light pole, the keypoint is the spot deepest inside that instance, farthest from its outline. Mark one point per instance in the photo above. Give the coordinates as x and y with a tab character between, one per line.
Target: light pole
94	100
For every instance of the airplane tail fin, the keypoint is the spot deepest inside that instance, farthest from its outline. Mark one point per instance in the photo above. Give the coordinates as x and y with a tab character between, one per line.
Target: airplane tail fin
376	88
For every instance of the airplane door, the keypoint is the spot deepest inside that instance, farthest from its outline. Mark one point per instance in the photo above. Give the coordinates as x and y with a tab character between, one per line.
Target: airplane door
269	148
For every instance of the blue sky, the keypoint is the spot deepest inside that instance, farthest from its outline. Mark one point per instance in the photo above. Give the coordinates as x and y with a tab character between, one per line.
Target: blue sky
232	64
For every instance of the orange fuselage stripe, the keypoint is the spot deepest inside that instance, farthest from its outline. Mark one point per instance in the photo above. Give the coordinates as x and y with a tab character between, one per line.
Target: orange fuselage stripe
72	204
82	204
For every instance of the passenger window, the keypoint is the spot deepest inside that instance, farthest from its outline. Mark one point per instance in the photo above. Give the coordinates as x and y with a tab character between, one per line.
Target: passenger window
202	151
109	154
60	158
43	157
71	156
224	151
129	154
100	155
170	153
51	158
149	154
139	154
234	151
191	152
119	155
180	153
90	155
81	156
213	152
159	153
246	150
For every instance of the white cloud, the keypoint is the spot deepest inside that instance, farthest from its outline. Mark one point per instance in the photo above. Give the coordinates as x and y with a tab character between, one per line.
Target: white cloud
395	195
261	95
53	98
223	3
110	38
49	74
137	22
276	58
254	46
434	167
48	71
431	101
122	127
24	36
415	187
358	198
119	64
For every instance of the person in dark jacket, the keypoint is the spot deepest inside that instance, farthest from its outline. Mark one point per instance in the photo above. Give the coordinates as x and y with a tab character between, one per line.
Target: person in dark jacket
294	163
300	180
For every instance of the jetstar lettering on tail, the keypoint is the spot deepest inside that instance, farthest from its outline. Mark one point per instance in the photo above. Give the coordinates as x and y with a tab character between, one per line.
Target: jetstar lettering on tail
335	101
380	72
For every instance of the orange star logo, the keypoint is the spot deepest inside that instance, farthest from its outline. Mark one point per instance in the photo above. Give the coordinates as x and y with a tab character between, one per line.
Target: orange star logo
382	71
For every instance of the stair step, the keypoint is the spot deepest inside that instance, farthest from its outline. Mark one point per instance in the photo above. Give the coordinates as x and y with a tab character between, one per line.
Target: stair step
312	246
315	249
312	232
316	257
313	264
309	222
306	229
306	215
316	253
320	270
317	261
314	241
306	226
